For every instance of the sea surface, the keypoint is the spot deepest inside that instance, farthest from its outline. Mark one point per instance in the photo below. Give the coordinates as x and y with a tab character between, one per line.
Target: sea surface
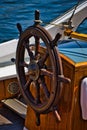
22	11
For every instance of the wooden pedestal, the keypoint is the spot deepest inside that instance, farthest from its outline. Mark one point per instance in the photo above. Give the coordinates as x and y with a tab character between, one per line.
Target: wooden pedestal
69	106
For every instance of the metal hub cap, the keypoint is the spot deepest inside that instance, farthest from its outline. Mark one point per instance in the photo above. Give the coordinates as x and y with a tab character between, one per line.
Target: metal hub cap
33	70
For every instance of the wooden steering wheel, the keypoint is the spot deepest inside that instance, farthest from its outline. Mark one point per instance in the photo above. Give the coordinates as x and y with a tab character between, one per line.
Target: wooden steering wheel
39	68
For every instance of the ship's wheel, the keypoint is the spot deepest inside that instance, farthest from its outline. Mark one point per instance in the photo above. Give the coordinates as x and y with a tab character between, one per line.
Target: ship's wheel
35	63
39	68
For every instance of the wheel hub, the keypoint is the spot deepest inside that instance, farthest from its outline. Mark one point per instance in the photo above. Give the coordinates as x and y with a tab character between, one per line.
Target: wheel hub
33	70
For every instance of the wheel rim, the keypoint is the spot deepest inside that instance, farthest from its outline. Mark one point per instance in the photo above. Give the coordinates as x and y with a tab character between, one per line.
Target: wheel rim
35	71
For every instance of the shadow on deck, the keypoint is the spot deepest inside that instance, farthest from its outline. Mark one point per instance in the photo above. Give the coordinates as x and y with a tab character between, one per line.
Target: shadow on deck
10	120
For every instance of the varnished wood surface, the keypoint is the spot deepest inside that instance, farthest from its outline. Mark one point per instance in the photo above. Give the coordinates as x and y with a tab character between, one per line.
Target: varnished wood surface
4	93
17	123
69	105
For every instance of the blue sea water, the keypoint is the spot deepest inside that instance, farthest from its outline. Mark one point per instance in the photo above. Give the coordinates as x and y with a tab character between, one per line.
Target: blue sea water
22	11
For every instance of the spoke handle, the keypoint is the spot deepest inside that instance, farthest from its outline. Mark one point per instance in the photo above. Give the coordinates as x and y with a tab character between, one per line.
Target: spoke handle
57	115
19	28
37	119
37	15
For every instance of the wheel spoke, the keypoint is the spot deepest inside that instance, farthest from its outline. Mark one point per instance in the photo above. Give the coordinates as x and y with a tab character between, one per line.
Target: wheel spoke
37	92
30	53
37	43
43	59
46	73
24	64
44	86
28	83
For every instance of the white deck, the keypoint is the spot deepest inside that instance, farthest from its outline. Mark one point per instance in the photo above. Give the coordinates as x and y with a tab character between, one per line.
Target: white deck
7	51
7	72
